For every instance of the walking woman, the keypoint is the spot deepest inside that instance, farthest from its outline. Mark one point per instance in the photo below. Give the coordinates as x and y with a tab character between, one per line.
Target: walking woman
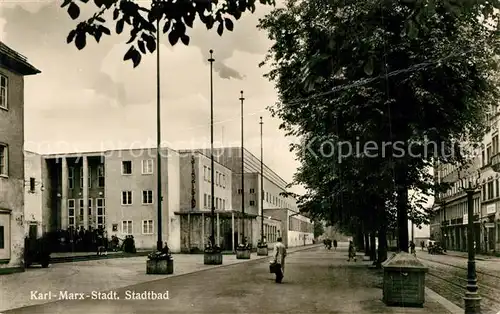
279	259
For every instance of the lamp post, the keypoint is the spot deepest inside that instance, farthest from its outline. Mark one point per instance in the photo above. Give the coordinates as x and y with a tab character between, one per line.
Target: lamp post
472	299
242	176
261	185
212	187
262	248
444	232
159	243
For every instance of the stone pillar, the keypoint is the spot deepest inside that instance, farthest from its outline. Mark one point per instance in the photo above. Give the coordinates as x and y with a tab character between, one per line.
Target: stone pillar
232	231
85	193
64	194
218	230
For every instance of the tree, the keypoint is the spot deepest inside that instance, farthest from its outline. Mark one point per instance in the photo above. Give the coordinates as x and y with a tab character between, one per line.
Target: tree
415	74
176	17
319	229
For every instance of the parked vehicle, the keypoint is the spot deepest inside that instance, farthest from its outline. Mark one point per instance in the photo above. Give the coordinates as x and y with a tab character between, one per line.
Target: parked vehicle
435	248
36	251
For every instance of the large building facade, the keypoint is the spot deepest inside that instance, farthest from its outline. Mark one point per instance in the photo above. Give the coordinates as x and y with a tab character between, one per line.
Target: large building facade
13	68
116	191
449	224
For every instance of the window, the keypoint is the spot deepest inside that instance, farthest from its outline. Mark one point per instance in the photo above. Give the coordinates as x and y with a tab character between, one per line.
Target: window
252	203
483	159
126	167
239	191
216	203
224	181
127	198
89	178
71	177
223	204
100	175
32	185
4	154
147	197
495	144
205	173
488	155
252	191
209	175
209	201
490	190
127	227
147	166
90	207
101	212
71	213
147	227
4	86
81	207
217	178
205	202
497	188
2	237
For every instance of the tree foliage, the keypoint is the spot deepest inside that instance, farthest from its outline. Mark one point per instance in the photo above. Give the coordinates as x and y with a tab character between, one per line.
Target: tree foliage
414	74
172	16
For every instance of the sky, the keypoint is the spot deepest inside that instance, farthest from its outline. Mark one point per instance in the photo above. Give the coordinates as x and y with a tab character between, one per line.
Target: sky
92	100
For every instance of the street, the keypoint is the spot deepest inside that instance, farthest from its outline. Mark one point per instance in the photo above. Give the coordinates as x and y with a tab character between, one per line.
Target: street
316	281
448	276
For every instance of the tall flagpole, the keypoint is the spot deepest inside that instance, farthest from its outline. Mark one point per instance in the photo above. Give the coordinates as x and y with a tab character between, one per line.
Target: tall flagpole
159	244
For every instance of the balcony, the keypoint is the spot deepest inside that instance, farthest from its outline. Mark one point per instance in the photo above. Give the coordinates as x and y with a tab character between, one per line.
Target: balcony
495	162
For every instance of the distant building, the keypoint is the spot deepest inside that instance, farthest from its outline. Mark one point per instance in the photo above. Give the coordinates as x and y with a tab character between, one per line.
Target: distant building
13	68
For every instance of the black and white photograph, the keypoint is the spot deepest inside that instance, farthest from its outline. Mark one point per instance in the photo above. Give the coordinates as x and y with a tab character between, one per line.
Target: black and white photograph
249	156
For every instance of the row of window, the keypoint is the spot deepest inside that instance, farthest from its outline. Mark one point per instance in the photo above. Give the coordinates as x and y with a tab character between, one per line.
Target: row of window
219	202
456	211
147	227
147	197
491	150
75	220
100	177
268	197
146	166
220	178
489	190
295	224
271	233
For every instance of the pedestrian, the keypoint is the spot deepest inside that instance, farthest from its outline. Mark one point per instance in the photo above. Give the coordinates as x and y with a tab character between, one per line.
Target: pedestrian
352	251
279	258
335	244
422	244
412	248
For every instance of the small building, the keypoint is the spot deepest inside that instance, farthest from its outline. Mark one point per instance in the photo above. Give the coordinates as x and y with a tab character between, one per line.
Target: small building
13	68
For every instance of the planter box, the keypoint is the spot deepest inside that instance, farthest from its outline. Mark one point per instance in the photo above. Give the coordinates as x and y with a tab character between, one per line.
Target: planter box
404	281
212	258
243	254
160	267
262	251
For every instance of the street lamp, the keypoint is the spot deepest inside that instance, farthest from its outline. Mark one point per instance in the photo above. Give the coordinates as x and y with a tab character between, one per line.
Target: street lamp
444	227
212	187
472	299
262	248
159	244
242	176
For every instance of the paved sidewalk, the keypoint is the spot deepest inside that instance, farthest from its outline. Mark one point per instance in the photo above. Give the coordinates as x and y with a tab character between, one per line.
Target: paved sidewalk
479	257
316	281
99	275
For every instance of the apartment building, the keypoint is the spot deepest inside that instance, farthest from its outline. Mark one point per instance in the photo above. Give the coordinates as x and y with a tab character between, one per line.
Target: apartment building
13	68
449	223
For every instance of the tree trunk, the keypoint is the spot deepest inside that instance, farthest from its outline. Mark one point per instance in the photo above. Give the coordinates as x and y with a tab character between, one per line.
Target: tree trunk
382	245
402	208
358	240
373	247
367	244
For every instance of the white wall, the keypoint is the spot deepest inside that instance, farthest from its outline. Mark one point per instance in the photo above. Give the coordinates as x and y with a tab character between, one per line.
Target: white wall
296	238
